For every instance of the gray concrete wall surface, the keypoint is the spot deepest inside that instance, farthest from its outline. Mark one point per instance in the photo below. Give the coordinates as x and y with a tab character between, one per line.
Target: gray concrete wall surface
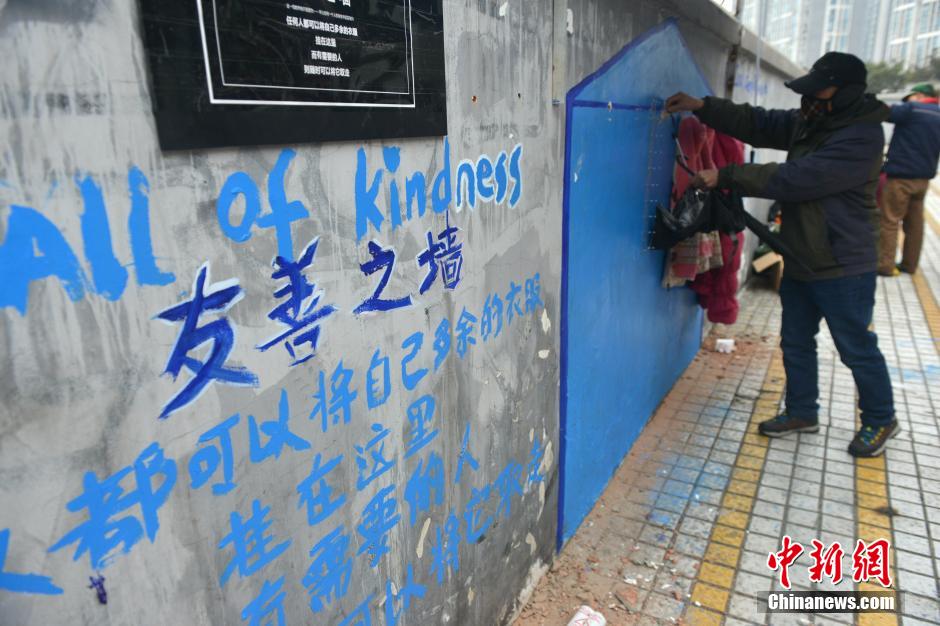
279	486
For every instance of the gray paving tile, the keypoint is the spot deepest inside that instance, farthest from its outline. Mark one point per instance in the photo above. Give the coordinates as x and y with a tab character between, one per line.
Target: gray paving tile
750	584
755	542
769	509
917	563
691	546
837	509
721	469
800	533
672	504
707	496
839	481
805	468
663	607
677	488
839	494
839	467
765	525
905	494
746	607
803	502
753	562
913	621
684	474
917	583
657	536
803	517
909	525
696	527
776	481
713	481
920	607
770	494
662	518
703	511
911	543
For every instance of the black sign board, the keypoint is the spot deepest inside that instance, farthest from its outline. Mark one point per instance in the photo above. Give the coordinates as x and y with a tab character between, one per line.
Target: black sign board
249	72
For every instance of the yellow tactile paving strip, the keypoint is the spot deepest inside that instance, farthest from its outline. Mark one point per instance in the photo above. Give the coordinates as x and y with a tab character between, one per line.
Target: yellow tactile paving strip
924	294
871	507
712	588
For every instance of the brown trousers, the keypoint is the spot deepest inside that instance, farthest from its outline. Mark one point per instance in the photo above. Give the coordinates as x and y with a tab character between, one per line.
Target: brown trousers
902	200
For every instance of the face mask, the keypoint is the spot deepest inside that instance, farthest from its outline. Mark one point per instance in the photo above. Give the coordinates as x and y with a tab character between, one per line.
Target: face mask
814	108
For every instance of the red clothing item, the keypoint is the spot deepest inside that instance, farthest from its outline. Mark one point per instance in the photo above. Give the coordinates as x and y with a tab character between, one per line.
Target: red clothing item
717	289
695	139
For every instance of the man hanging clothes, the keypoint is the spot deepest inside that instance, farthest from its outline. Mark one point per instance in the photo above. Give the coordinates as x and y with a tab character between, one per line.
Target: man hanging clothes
830	220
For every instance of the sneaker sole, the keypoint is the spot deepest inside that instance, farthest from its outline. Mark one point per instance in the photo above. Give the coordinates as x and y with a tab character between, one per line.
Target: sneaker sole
880	450
784	433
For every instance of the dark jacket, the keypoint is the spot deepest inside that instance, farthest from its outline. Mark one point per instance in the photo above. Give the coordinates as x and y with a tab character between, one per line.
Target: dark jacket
826	187
915	144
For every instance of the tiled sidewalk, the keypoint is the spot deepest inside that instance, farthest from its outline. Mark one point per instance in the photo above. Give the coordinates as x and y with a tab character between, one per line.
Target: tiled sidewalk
683	531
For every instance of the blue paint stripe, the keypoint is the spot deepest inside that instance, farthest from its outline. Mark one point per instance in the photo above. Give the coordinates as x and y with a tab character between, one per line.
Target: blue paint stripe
596	104
563	326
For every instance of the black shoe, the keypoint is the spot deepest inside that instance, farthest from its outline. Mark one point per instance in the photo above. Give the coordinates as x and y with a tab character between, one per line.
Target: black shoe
784	425
901	269
871	440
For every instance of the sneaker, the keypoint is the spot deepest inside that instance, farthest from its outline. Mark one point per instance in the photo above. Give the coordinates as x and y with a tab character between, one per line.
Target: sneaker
784	425
871	440
894	271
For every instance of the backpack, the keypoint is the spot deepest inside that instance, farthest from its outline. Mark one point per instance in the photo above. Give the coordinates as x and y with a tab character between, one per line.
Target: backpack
697	211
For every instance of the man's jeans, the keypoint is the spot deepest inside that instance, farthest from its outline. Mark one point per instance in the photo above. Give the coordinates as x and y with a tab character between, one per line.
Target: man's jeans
847	305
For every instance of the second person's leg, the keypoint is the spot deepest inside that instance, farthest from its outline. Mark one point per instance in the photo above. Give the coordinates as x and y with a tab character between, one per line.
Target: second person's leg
914	227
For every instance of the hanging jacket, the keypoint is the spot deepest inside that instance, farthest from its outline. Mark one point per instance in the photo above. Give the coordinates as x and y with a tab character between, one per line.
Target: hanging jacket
826	186
717	289
702	251
915	145
695	140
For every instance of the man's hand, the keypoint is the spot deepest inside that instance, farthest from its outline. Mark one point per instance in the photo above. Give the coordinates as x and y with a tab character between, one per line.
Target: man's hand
681	101
706	179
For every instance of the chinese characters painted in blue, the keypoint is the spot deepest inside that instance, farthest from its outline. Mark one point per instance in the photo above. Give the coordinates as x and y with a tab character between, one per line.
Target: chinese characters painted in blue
250	543
444	255
382	258
219	332
22	583
103	530
299	311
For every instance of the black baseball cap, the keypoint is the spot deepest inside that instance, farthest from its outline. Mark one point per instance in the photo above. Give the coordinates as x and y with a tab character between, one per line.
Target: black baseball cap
833	69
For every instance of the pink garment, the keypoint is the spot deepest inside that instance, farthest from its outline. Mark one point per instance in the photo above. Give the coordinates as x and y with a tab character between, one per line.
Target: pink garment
717	289
700	252
695	139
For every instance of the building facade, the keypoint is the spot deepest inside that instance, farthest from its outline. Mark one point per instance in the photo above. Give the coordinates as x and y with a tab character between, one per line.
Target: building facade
879	31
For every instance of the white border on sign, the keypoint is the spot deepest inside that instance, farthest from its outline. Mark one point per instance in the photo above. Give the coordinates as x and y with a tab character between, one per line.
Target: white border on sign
409	43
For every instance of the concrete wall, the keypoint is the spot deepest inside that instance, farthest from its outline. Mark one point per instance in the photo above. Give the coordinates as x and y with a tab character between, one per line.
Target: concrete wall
102	232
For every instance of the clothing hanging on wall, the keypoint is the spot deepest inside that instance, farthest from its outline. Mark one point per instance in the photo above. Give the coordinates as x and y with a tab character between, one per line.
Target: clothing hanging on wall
717	289
701	252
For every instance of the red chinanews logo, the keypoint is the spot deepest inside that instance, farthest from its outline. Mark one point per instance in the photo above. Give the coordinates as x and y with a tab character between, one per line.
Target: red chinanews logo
868	561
